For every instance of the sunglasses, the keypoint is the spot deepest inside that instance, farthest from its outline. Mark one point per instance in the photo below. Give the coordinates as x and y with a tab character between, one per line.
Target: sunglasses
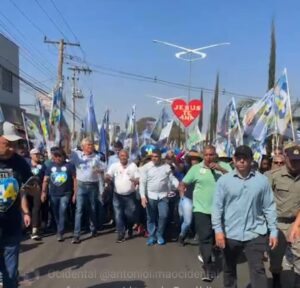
278	163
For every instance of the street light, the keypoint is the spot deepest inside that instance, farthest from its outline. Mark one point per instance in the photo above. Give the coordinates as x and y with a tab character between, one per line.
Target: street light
187	54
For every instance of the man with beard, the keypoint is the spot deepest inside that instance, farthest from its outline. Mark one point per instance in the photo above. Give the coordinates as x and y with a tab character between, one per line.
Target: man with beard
14	171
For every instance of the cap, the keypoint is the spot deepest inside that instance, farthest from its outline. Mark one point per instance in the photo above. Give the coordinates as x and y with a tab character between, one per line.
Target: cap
194	154
34	151
9	132
292	151
243	150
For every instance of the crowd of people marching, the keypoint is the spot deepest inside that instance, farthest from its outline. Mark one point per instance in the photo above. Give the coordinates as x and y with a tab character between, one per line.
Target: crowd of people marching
229	206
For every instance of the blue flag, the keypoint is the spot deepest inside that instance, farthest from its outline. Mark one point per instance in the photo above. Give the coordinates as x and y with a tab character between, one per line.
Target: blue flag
90	122
103	143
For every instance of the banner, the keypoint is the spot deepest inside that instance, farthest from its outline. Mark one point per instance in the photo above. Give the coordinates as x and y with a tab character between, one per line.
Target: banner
187	112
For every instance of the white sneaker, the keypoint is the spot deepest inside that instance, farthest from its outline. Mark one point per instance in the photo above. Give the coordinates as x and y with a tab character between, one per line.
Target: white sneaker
200	258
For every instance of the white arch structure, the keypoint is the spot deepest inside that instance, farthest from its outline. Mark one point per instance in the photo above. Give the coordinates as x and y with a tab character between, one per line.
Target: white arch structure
189	52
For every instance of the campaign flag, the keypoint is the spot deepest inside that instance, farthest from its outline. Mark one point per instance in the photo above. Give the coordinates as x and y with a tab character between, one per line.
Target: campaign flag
33	132
131	142
56	111
230	127
259	119
165	132
145	136
43	120
194	138
103	143
283	114
90	122
160	124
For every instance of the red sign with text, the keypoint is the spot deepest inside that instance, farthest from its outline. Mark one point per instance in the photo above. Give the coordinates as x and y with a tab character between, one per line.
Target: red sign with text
187	112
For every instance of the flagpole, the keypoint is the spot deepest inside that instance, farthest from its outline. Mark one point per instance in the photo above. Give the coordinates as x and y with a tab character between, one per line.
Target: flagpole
290	106
26	133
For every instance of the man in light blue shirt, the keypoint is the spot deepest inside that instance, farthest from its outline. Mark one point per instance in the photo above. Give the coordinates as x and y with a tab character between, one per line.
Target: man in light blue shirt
244	212
156	180
88	168
118	146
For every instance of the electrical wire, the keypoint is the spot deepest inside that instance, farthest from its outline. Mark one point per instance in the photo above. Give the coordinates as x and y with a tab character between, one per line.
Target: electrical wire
32	47
51	20
25	52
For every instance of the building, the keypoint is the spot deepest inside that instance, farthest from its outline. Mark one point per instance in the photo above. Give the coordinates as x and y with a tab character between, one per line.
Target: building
9	82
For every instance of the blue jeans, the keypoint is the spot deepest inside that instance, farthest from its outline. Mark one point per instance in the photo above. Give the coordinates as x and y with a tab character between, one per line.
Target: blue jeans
9	261
185	210
59	206
87	195
157	212
125	211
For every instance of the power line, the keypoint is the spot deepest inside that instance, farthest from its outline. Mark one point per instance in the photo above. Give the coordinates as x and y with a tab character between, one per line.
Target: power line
156	80
69	27
28	19
74	35
26	74
23	52
50	19
34	87
64	20
32	47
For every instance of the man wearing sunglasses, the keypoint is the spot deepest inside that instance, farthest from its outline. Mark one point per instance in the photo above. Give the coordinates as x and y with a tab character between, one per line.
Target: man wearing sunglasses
285	182
278	161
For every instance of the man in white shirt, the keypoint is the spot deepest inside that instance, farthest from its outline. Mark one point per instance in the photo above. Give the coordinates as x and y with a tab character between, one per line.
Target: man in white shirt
124	177
156	180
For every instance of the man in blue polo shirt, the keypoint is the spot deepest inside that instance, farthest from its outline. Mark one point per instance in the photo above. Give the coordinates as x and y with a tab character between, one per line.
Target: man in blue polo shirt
243	212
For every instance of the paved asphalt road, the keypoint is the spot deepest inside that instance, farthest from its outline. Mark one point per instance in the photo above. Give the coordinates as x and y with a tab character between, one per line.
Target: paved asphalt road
102	263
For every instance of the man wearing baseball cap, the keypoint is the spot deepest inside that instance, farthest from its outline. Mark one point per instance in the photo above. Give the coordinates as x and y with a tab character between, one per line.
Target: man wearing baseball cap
285	182
34	197
14	171
244	212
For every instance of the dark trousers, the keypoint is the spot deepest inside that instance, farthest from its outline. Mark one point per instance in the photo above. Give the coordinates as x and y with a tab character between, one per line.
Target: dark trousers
34	200
206	237
254	251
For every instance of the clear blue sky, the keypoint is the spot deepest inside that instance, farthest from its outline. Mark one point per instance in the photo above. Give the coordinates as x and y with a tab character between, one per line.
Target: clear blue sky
119	34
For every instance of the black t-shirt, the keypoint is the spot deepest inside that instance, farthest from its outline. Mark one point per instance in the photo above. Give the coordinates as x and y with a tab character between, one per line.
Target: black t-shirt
61	178
14	172
37	170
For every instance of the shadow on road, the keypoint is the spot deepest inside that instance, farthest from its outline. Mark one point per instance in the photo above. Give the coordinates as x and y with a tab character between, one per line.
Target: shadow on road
27	247
71	264
121	284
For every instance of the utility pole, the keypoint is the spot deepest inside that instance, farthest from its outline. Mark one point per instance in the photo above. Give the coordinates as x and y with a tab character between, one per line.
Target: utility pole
61	47
76	94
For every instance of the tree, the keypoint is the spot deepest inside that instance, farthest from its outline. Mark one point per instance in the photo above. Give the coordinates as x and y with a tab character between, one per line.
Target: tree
200	120
211	119
214	112
272	63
